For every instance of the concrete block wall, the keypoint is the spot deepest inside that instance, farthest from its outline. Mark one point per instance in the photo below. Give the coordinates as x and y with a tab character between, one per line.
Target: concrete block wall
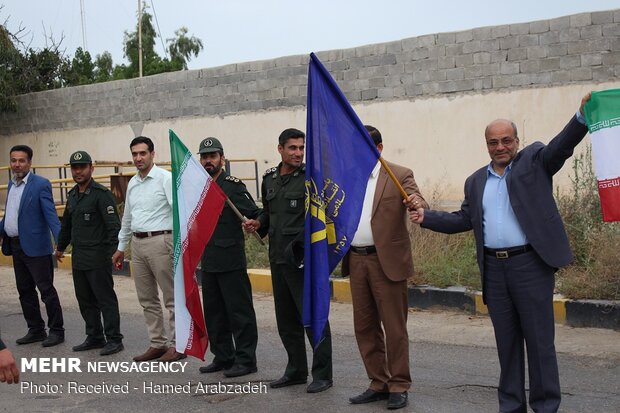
577	49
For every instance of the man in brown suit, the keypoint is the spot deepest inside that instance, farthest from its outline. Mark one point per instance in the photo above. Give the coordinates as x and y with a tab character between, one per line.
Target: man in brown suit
379	263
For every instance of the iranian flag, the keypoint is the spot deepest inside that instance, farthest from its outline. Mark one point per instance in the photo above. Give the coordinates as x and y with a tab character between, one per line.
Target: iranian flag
197	203
602	113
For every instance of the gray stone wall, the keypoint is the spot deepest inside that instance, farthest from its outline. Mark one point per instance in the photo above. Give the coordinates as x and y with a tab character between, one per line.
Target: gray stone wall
582	48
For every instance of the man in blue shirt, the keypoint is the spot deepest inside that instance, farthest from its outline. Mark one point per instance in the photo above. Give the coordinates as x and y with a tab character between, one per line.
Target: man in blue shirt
29	224
520	242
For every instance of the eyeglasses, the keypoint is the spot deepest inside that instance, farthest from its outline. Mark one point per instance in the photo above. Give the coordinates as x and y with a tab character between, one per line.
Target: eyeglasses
505	142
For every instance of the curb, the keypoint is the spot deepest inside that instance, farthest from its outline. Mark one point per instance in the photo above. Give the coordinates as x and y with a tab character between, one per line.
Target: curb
588	313
66	264
574	313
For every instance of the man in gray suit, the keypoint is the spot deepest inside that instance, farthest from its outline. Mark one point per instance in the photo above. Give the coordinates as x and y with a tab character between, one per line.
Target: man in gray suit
520	242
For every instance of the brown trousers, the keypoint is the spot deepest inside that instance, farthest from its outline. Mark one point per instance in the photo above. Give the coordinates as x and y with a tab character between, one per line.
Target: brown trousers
378	301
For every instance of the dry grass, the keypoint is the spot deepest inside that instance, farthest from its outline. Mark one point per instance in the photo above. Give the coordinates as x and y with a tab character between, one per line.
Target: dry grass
256	254
595	274
446	260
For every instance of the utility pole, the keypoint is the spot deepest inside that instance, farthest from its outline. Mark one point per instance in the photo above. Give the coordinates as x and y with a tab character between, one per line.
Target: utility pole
83	14
140	37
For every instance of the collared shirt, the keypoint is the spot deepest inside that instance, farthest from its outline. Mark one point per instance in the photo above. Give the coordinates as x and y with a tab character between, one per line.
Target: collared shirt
14	199
501	227
580	118
363	236
148	205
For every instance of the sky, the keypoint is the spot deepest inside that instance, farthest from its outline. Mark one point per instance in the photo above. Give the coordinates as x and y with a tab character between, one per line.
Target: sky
236	31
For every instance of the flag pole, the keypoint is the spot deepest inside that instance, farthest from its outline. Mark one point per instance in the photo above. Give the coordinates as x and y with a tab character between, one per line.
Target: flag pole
242	218
389	171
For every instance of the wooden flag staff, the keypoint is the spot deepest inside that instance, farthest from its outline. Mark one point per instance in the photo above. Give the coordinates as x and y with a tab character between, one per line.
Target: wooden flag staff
243	219
389	171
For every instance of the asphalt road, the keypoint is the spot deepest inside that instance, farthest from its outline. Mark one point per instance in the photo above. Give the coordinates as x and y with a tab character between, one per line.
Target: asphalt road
453	362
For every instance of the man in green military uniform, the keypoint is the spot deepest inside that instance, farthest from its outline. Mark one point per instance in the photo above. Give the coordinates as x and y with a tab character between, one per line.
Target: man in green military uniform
283	194
226	289
91	223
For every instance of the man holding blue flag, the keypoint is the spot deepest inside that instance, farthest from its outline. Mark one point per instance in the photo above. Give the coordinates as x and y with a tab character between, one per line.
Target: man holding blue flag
344	171
340	156
379	263
283	196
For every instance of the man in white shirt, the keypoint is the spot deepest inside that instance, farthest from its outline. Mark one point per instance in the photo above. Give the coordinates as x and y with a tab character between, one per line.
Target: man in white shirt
379	263
147	223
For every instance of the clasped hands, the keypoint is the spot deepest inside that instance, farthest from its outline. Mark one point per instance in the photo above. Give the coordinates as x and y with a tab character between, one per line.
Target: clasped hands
414	205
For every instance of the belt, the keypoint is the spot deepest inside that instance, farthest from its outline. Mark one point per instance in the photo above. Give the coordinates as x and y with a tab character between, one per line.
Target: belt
151	233
370	249
507	252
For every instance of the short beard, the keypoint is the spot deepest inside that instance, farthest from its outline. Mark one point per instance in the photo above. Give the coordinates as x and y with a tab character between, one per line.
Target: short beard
215	170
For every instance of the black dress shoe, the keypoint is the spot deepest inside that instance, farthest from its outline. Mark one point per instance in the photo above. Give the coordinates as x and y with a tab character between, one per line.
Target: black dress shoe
112	347
32	337
286	381
240	370
213	367
53	340
397	400
318	386
89	344
369	396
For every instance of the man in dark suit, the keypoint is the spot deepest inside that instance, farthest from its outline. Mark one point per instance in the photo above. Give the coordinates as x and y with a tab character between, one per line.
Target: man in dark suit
379	263
29	218
520	242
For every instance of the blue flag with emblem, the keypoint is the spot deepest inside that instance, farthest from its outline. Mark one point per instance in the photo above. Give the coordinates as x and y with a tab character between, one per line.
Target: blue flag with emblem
340	155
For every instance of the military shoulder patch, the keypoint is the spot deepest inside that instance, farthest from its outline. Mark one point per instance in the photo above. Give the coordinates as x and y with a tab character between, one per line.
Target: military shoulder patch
270	170
110	209
232	179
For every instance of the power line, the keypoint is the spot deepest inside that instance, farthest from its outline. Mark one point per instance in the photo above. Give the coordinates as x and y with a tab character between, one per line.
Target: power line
159	31
83	14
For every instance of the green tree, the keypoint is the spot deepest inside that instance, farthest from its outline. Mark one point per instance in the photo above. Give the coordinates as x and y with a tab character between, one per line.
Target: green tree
103	67
43	70
10	62
182	47
130	48
81	69
25	70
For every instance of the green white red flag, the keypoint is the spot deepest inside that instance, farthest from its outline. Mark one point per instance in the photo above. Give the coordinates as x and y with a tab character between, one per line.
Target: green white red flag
602	113
197	204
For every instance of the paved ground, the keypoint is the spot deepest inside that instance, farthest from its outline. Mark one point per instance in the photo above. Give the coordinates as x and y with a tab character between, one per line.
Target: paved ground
453	359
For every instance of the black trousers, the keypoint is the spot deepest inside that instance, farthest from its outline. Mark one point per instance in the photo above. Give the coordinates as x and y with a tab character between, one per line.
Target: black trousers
288	288
519	295
94	290
230	317
32	273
